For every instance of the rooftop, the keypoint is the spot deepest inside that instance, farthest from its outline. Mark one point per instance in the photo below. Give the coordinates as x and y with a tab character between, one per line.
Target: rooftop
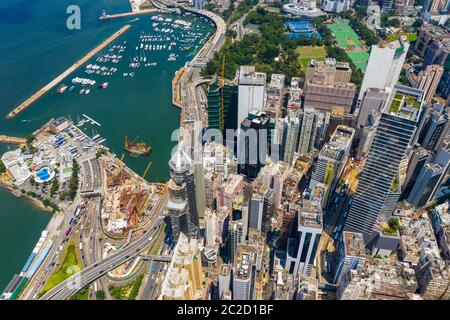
249	76
245	258
310	215
405	102
354	244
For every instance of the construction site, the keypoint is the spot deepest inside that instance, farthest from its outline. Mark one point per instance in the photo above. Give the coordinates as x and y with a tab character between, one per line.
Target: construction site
129	199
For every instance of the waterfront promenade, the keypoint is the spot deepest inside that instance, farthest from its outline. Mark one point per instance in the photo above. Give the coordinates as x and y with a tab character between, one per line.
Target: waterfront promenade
63	75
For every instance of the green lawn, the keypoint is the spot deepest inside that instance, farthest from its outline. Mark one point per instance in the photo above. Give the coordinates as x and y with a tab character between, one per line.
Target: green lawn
306	53
70	266
127	292
83	294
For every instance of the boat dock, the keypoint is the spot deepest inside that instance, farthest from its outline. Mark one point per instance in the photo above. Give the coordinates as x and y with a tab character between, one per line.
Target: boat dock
127	14
92	120
12	140
63	75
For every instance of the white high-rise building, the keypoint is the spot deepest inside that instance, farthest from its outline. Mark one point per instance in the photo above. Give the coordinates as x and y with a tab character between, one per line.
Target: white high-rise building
210	227
384	66
251	92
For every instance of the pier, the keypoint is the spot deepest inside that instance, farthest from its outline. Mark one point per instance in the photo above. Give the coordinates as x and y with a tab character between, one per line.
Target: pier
127	14
63	75
12	140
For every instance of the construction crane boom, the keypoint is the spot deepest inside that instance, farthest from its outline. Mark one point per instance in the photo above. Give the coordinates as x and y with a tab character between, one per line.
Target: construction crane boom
146	169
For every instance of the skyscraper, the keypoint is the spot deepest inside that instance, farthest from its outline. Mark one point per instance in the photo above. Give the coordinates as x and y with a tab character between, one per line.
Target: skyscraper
394	134
301	250
384	66
291	132
332	158
182	194
236	237
305	142
428	80
251	92
244	273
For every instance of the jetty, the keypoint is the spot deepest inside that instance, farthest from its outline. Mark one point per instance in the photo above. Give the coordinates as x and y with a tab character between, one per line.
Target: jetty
12	140
63	75
127	14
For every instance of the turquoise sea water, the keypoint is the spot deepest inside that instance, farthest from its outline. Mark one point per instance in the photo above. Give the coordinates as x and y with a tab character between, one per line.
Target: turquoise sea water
35	47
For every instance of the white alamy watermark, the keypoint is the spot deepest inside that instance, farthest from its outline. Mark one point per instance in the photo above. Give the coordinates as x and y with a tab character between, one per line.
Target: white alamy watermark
251	146
73	21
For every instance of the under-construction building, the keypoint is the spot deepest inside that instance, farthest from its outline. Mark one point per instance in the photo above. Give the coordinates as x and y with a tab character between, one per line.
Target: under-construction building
222	97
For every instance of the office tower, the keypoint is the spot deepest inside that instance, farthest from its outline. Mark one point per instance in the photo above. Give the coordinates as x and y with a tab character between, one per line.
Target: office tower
350	254
418	159
229	94
305	144
435	129
373	101
395	132
384	66
251	92
182	194
224	279
301	250
261	206
210	227
199	4
425	183
329	97
429	180
365	138
244	273
184	277
328	71
253	144
236	237
291	132
428	81
177	209
332	158
199	173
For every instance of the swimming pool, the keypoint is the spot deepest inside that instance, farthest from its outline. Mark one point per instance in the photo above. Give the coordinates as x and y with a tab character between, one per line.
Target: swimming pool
43	174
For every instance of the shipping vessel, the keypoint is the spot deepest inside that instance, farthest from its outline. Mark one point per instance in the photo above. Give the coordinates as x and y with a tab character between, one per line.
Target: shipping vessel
137	149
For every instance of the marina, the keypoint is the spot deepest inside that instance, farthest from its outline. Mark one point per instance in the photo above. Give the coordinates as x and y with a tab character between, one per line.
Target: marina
62	76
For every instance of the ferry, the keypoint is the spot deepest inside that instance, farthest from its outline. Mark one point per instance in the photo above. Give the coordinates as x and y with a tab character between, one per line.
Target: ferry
62	88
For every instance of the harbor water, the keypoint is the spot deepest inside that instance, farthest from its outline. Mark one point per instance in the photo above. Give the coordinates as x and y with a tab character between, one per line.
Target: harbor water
137	106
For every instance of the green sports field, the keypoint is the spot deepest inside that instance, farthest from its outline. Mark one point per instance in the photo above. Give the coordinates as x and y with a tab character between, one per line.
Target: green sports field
348	40
306	53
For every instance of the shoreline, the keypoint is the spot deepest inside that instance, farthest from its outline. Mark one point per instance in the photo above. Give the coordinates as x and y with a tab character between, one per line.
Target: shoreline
33	201
41	92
